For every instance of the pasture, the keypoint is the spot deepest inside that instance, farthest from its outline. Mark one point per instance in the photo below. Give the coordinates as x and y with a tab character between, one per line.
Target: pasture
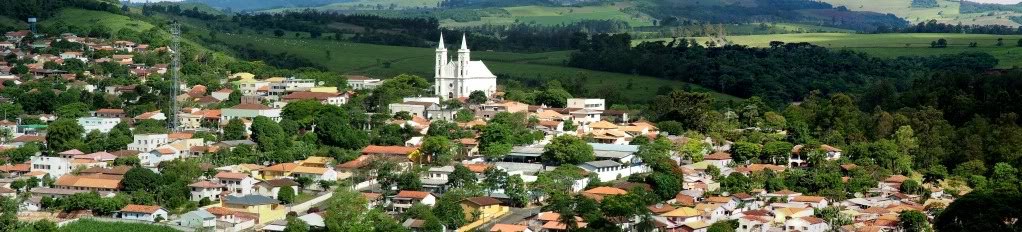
897	44
388	61
947	12
88	18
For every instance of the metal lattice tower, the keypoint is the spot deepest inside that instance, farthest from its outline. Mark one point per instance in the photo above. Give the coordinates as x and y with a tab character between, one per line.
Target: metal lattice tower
175	33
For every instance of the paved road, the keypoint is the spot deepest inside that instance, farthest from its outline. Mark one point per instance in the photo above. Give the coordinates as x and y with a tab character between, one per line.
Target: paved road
516	215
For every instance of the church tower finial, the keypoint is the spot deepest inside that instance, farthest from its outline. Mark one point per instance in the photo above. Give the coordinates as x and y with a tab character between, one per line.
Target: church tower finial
464	42
441	46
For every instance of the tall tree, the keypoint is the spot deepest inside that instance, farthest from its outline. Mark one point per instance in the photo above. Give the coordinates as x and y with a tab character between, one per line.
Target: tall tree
567	149
64	134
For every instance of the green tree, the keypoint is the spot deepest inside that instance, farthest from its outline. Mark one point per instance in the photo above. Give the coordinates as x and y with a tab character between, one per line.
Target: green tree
723	226
119	137
742	151
234	130
494	178
516	190
409	181
971	167
439	149
567	150
296	225
64	134
777	152
73	110
913	221
269	135
286	195
461	176
671	127
1004	178
477	97
448	209
140	179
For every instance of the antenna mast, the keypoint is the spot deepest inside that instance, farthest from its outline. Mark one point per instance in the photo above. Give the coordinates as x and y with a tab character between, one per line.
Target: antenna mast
175	32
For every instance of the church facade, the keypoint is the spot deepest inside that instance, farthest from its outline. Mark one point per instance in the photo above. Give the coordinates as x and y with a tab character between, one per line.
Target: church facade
459	78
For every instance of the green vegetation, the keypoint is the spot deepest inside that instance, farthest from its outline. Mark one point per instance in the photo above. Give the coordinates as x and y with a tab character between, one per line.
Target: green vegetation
98	226
389	61
88	18
556	15
896	44
947	11
370	5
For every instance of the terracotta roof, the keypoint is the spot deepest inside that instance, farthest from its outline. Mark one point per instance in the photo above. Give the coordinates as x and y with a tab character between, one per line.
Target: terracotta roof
310	170
110	111
309	95
89	181
412	194
140	208
606	191
165	151
390	150
477	168
849	166
507	228
231	175
30	138
179	135
720	155
718	199
15	168
684	200
206	184
124	153
785	192
468	141
219	211
829	148
556	225
6	190
813	199
603	125
482	201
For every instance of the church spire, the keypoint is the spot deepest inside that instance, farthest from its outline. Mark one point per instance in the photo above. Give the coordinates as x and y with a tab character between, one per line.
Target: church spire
441	46
464	42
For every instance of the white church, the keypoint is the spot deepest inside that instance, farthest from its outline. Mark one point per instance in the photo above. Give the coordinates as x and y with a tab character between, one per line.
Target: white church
459	78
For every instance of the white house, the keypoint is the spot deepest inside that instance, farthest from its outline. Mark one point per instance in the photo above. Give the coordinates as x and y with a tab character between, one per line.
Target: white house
609	170
55	166
103	125
817	202
413	108
248	111
249	86
291	84
806	224
238	184
587	103
751	223
270	188
147	142
719	159
405	199
361	82
150	213
459	78
206	189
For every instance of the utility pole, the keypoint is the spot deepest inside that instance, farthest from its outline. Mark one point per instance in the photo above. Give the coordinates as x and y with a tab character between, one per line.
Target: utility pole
175	32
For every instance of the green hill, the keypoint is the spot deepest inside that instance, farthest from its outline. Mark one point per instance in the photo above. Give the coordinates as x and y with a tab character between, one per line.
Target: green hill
897	44
947	11
88	18
388	61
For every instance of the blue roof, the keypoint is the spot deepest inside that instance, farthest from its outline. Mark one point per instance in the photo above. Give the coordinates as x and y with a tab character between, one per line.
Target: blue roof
614	147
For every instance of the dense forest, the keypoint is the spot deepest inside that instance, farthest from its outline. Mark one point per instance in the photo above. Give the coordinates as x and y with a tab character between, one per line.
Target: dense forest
924	3
780	74
23	9
803	11
968	7
933	26
250	5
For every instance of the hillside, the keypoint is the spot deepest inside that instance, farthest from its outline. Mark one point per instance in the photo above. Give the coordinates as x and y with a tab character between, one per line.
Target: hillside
388	61
898	44
947	11
250	5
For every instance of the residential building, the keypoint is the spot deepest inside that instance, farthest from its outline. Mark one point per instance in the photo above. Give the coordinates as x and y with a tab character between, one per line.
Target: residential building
482	209
149	213
94	182
237	184
249	110
148	142
324	98
284	86
103	125
405	199
206	189
265	208
363	83
587	103
199	218
270	188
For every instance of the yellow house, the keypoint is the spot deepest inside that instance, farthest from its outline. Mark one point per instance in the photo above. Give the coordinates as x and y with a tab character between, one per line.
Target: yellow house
481	210
316	162
324	89
267	208
277	171
242	75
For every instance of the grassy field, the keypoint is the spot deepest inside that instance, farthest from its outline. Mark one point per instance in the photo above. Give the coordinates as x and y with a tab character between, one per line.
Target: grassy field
551	15
371	5
947	12
894	45
87	18
86	225
387	61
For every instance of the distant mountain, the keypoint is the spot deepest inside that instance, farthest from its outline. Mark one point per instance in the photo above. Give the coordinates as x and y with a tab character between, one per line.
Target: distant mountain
251	5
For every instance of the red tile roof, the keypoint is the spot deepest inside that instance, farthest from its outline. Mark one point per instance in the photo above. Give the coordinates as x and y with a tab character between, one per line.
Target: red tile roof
413	194
140	208
389	150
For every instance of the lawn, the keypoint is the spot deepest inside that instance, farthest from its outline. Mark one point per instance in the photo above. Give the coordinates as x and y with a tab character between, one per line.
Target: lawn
388	61
86	225
88	18
303	197
894	45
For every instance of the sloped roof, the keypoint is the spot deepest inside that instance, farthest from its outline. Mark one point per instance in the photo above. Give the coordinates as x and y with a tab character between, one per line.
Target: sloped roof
250	200
412	194
251	106
141	208
283	182
392	150
682	212
231	175
482	201
206	184
603	190
720	155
